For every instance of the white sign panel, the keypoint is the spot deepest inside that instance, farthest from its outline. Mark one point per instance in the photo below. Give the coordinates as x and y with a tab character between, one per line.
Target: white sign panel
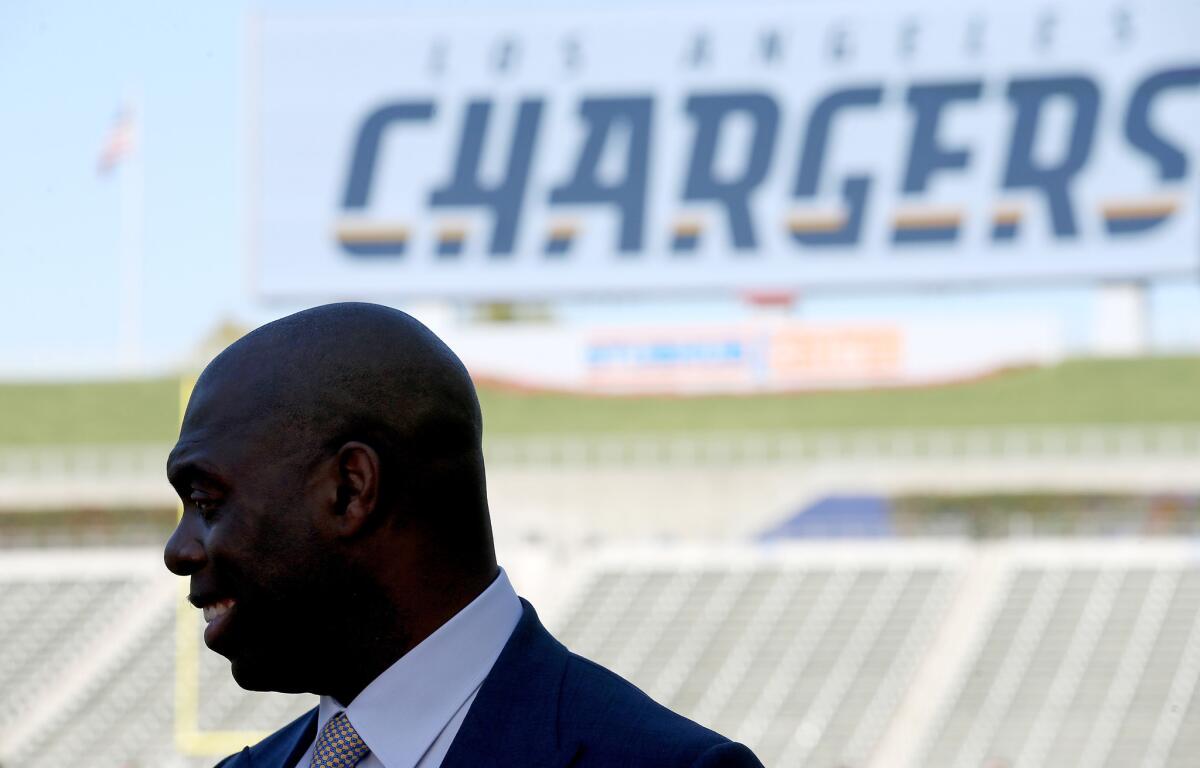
537	153
755	356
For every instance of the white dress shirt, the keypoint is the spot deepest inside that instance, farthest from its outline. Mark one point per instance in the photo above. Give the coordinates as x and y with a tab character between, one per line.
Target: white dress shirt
410	714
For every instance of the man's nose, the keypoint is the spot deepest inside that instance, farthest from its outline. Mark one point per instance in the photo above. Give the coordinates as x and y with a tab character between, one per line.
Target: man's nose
184	553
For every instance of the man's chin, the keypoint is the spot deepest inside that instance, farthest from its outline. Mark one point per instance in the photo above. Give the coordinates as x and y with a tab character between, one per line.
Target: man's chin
254	675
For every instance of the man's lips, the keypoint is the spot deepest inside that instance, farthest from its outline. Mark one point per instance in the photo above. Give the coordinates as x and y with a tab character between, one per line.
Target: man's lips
214	611
218	612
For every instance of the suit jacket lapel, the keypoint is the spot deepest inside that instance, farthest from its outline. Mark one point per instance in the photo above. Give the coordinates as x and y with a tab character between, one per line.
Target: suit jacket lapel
513	722
281	749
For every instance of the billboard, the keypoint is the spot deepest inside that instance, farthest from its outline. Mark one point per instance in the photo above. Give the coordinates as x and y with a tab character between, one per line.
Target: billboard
753	356
540	152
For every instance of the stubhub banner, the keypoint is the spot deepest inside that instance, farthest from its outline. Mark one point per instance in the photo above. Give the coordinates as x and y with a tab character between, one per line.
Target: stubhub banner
759	355
540	153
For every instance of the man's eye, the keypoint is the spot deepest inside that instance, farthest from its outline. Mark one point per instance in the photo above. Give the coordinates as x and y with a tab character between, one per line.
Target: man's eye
206	504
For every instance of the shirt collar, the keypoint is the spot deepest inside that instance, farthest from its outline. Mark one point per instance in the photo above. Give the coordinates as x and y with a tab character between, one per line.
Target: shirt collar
401	712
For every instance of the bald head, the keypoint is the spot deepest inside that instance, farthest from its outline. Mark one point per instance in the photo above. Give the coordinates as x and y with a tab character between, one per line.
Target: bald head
341	372
347	367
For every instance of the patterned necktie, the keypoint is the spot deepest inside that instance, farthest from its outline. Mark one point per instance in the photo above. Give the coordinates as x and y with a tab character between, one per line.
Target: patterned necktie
339	745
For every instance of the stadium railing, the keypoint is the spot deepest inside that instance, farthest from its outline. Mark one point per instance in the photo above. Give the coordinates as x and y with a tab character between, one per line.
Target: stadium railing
139	459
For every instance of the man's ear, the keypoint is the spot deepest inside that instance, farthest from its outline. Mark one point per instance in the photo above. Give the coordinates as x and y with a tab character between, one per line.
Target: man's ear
357	491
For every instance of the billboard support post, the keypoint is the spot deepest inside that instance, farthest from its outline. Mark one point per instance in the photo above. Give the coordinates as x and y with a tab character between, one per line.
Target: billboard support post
1121	319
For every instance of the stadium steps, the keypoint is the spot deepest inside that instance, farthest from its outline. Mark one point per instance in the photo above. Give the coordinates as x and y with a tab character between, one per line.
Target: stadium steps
87	659
681	655
807	662
1119	660
123	716
733	651
1080	654
1167	681
1044	722
1087	664
870	707
72	615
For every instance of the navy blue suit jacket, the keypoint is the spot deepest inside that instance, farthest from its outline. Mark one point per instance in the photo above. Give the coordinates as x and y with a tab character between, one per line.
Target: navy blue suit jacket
542	706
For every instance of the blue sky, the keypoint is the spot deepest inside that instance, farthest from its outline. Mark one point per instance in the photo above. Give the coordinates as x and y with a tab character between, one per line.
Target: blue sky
65	69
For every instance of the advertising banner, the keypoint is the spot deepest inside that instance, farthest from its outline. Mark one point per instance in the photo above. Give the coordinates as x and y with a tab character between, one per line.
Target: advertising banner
754	356
540	153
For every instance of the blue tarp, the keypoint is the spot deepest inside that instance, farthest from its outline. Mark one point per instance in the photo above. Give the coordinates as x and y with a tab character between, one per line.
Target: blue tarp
851	516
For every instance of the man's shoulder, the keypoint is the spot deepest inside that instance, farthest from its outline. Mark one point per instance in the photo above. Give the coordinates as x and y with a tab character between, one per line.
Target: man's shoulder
545	701
595	695
277	747
617	720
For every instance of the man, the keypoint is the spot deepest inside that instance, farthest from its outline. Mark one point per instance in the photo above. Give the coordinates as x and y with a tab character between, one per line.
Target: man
336	533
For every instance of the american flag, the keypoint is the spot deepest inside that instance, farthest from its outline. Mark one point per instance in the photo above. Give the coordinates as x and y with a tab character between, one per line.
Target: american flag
119	144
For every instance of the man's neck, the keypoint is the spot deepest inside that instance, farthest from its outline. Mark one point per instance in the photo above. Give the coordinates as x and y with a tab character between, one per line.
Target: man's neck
373	649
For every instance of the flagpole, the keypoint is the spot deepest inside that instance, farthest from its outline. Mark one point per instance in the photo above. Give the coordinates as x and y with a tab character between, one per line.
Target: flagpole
132	203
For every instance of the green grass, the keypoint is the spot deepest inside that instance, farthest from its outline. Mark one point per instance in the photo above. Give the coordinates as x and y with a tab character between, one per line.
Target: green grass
89	412
1151	390
1154	390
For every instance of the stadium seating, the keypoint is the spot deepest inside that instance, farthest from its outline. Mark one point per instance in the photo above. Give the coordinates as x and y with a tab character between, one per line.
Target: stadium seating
1087	655
1082	666
65	628
830	654
806	661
